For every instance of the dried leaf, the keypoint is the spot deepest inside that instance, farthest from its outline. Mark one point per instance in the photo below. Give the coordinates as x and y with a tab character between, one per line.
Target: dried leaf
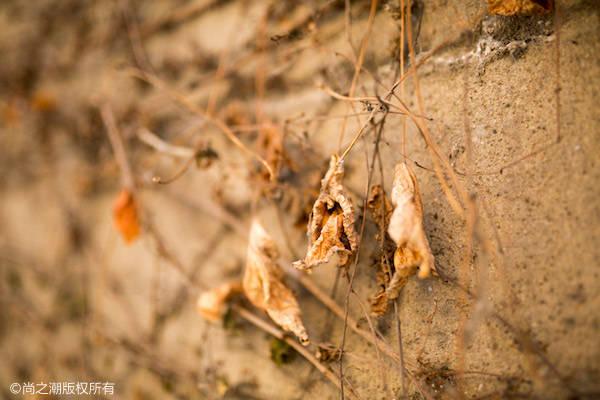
212	304
381	302
406	227
125	216
523	8
327	354
264	284
381	210
331	223
380	207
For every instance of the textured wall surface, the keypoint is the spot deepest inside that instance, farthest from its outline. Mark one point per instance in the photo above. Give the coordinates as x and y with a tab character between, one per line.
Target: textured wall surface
506	157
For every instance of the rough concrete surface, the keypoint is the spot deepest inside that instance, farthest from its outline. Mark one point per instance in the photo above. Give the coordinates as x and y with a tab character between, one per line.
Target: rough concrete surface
513	312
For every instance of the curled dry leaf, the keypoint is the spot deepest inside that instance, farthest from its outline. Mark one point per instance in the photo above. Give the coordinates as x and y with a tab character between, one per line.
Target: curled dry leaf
381	210
409	249
264	284
380	207
327	354
125	216
211	304
523	8
331	222
406	225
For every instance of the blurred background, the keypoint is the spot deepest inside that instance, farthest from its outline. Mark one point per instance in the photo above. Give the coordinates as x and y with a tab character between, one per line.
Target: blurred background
101	97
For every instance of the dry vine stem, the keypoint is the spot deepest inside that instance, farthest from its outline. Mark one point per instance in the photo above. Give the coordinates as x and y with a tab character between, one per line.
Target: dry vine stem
264	284
259	323
185	102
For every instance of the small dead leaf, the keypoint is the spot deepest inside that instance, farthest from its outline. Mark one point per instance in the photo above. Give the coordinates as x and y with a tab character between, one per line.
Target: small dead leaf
327	354
212	304
380	207
381	210
522	8
381	302
264	284
125	216
331	222
406	228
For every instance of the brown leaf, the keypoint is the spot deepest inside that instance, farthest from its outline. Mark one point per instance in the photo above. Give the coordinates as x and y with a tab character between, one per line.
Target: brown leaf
381	210
327	354
523	8
381	303
125	216
406	227
380	207
211	304
264	284
331	223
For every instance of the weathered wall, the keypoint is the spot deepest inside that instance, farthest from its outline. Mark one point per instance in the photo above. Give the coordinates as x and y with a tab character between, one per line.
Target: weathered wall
79	305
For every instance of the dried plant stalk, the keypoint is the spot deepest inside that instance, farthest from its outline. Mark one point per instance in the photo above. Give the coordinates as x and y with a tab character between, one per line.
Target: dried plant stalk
331	223
212	304
265	287
406	228
523	8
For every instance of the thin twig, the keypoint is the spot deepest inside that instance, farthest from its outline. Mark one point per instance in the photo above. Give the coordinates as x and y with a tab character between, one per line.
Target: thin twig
358	66
185	102
161	146
117	145
267	327
358	135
